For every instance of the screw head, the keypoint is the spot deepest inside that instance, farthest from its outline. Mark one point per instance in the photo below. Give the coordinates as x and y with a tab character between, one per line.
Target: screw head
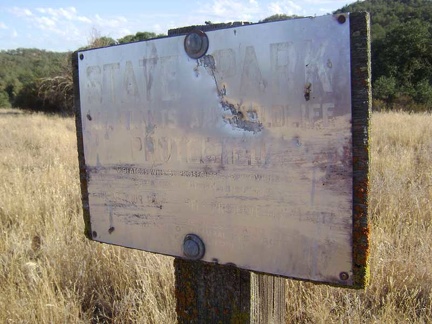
81	56
193	247
344	276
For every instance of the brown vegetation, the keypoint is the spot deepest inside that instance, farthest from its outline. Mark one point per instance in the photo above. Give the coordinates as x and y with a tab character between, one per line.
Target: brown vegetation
49	273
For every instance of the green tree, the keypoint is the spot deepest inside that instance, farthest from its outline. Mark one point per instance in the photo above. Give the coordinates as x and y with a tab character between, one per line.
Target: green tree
405	56
139	36
102	41
4	100
278	17
385	88
401	49
20	71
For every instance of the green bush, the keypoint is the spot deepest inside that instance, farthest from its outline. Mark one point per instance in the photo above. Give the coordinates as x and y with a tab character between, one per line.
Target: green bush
4	100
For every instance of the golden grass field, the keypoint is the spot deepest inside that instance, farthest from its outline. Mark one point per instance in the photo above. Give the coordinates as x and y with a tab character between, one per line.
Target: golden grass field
50	273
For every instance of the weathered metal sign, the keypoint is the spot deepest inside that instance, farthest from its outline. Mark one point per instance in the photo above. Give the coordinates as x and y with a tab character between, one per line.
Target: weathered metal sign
230	146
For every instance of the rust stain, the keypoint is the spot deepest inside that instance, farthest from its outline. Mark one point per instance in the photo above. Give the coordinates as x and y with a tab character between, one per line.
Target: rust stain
233	114
307	91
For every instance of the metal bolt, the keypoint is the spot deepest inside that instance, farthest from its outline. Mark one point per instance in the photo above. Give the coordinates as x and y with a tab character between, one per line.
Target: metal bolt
94	234
344	276
341	19
193	247
196	44
81	56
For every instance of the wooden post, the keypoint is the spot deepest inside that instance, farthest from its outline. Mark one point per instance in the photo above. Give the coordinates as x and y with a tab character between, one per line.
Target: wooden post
268	299
361	96
212	293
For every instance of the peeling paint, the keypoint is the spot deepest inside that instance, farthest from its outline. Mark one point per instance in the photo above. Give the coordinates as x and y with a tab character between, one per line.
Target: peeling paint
232	114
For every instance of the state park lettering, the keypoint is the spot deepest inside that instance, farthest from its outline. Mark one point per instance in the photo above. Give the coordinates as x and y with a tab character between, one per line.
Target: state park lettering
288	72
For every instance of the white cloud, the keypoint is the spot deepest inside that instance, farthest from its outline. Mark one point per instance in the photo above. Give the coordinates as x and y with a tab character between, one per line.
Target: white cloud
3	25
284	7
251	10
69	13
84	19
21	12
158	29
229	10
112	22
63	22
325	2
46	23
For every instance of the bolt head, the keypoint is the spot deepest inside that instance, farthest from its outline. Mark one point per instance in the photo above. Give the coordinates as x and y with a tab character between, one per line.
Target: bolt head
344	276
196	44
193	247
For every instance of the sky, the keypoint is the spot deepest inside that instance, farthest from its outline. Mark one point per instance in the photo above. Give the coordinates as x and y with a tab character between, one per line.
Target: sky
67	25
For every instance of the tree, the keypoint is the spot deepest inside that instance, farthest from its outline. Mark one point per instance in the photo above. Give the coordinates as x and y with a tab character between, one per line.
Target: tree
405	56
102	42
4	100
401	49
139	36
278	17
20	71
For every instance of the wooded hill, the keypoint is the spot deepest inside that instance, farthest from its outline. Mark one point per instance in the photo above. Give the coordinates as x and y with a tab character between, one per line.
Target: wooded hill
20	70
42	80
401	61
401	52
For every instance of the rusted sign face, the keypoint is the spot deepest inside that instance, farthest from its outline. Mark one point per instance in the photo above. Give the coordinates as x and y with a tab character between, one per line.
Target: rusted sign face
236	153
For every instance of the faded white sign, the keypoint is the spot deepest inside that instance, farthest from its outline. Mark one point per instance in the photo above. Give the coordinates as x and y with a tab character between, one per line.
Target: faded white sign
247	147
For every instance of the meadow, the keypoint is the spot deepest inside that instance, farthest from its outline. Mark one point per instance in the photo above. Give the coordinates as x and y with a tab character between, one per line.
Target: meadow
50	273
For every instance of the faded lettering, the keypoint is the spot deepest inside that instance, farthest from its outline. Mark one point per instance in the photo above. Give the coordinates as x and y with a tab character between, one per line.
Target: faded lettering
252	82
131	94
94	86
110	74
316	71
283	58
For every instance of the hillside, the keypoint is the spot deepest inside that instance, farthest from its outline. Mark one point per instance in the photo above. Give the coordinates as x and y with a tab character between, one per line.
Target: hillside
387	15
20	70
401	52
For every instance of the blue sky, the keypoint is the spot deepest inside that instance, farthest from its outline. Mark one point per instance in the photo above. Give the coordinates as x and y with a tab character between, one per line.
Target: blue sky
67	25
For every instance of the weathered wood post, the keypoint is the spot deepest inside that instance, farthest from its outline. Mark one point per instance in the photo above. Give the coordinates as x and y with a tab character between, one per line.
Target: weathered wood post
245	147
209	293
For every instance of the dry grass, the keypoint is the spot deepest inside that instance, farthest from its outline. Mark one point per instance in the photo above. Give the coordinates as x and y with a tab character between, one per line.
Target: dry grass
400	289
49	273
